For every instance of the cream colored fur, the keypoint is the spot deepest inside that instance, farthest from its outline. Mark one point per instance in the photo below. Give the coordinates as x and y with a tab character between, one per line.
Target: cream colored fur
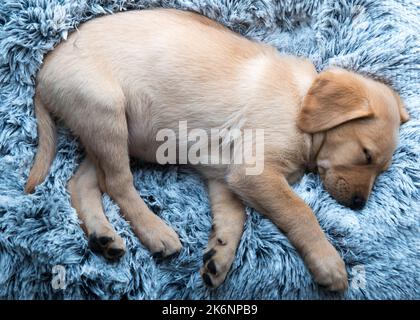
119	79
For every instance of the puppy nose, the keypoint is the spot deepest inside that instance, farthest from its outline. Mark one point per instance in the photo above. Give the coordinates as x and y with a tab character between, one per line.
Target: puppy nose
357	203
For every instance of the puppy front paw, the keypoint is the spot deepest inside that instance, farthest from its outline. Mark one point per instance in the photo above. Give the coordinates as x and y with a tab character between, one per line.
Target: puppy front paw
158	237
328	268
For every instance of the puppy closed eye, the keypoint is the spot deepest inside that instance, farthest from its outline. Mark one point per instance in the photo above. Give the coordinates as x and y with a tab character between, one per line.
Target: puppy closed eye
368	156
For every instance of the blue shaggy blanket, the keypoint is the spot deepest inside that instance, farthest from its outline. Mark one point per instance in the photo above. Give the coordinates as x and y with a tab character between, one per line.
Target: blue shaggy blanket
43	250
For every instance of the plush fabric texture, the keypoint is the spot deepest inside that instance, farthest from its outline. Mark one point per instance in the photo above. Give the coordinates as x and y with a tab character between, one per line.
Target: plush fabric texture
380	244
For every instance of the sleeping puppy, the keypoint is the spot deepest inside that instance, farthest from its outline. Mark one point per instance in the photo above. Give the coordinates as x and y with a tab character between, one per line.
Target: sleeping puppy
120	79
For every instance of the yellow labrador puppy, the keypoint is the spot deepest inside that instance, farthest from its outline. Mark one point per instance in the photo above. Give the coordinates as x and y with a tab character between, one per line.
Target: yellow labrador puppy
119	79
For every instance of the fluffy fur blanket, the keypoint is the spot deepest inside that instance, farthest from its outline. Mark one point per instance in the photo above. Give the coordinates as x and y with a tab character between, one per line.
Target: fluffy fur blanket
43	251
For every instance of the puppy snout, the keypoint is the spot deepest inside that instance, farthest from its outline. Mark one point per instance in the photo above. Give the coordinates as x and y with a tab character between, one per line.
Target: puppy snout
357	202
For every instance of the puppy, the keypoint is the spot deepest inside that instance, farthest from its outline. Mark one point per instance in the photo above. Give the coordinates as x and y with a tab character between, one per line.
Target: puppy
119	79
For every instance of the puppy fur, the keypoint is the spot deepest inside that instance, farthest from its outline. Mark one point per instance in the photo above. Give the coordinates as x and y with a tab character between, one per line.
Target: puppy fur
121	78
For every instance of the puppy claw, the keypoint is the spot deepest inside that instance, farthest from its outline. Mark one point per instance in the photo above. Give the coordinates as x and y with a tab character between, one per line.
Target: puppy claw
207	281
93	244
114	253
211	266
208	255
103	241
158	255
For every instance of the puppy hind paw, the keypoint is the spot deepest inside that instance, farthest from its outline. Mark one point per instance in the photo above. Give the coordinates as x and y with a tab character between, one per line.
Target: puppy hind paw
216	264
111	247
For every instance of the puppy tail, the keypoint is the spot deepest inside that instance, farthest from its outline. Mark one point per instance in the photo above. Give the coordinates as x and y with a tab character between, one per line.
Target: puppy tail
47	141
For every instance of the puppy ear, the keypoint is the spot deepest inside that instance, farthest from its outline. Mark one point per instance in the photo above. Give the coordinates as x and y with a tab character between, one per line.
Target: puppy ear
333	99
403	112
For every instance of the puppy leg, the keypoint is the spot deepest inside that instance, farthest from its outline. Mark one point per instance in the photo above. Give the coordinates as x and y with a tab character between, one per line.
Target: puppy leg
271	195
86	199
107	140
228	221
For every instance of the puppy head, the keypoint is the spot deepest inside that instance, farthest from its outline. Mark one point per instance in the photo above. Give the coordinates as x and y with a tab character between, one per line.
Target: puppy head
354	121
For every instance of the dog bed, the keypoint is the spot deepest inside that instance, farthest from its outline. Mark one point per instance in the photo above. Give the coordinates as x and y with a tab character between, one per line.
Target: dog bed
44	252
